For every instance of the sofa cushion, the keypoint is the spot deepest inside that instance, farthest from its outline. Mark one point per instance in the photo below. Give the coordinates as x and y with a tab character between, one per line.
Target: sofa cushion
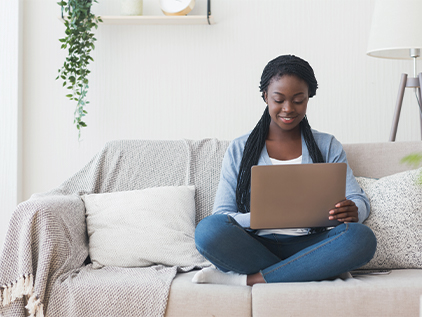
110	292
143	227
196	300
396	219
395	294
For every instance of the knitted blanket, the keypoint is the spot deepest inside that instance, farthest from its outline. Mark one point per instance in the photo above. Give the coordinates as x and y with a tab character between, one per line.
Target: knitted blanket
44	263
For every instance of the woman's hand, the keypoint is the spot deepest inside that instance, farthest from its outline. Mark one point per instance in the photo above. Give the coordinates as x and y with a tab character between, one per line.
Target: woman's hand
344	211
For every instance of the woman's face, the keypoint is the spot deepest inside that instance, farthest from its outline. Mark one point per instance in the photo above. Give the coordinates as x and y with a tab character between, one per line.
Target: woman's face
287	98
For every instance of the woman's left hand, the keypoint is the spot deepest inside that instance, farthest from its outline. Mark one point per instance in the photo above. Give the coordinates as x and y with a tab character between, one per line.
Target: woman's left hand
344	211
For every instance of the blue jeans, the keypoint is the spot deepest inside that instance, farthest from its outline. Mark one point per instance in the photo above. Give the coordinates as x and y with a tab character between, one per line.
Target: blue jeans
283	258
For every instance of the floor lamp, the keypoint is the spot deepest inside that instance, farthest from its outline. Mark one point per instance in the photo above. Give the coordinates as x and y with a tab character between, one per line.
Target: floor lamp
396	33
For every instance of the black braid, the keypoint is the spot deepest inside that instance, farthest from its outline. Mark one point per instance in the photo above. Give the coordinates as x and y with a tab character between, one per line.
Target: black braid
251	153
278	67
313	148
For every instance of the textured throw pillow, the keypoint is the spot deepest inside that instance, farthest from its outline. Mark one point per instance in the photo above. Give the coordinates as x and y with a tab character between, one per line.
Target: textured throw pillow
143	227
396	220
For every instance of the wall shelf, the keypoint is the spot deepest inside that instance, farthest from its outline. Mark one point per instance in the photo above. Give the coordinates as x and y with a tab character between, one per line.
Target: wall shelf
157	20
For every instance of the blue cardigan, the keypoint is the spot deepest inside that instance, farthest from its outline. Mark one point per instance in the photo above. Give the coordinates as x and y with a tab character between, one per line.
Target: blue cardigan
331	149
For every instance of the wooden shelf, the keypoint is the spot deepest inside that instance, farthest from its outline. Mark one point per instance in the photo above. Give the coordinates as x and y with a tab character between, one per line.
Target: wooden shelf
151	20
156	20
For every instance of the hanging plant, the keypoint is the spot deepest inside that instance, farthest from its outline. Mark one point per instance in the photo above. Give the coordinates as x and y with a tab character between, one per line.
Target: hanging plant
79	41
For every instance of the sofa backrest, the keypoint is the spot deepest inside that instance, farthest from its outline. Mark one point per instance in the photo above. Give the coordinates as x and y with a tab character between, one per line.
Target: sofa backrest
373	160
379	159
205	166
139	164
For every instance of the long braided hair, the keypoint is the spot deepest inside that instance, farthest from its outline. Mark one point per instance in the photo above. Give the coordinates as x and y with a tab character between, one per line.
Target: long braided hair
278	67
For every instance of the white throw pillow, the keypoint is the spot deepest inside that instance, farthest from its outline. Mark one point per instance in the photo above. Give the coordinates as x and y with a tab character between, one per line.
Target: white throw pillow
143	227
396	220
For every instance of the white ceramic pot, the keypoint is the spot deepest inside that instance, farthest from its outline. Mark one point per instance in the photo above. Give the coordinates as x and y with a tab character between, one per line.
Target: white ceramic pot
131	7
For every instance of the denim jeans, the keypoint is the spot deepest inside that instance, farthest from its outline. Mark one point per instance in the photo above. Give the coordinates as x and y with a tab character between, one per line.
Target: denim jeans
283	258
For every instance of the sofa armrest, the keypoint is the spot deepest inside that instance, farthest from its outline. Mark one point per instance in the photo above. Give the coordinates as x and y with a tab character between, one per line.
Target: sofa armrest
46	238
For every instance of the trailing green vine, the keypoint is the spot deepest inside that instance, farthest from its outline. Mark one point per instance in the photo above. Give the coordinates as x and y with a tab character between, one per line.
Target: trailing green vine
79	41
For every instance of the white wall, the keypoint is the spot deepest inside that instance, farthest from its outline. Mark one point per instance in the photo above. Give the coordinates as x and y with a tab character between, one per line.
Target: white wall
198	81
10	109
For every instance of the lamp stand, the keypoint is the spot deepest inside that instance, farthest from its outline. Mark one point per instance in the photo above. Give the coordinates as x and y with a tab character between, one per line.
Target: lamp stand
411	82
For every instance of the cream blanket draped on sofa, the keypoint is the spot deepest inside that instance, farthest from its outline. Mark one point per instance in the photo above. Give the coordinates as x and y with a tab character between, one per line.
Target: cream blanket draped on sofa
43	264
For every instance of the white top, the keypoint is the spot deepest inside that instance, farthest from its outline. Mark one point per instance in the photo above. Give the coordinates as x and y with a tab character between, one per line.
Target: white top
297	160
290	232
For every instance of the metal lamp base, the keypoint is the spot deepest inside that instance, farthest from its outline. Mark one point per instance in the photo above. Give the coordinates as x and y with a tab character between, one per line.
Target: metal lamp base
412	82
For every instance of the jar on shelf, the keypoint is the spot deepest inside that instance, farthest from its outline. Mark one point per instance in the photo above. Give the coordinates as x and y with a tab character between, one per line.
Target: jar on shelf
131	7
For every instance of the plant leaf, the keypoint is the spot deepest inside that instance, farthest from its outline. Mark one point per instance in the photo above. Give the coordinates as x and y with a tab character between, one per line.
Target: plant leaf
414	159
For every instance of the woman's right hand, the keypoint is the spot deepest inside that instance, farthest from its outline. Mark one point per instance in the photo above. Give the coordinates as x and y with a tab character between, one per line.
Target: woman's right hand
344	211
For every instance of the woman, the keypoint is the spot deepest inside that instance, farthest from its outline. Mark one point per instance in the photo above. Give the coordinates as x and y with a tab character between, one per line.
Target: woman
282	136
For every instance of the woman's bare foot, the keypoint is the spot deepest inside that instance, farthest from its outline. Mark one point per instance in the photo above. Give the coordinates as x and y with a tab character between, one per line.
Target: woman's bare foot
254	279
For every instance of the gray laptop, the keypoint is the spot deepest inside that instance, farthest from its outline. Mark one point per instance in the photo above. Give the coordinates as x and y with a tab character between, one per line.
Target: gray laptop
296	196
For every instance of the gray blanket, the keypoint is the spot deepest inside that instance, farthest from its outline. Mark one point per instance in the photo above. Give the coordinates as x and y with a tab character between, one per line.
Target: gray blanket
43	264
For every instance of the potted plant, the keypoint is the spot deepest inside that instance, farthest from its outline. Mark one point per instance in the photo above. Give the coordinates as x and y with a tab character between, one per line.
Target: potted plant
414	160
79	41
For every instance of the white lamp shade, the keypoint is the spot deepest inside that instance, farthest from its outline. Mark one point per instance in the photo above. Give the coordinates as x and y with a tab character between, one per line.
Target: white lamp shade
396	28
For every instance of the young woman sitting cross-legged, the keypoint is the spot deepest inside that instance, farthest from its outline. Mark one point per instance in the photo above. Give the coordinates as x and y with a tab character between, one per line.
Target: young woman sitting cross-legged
282	136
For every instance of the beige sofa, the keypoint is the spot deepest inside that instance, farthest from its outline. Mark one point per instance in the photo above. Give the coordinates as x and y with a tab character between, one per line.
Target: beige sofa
394	294
44	262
